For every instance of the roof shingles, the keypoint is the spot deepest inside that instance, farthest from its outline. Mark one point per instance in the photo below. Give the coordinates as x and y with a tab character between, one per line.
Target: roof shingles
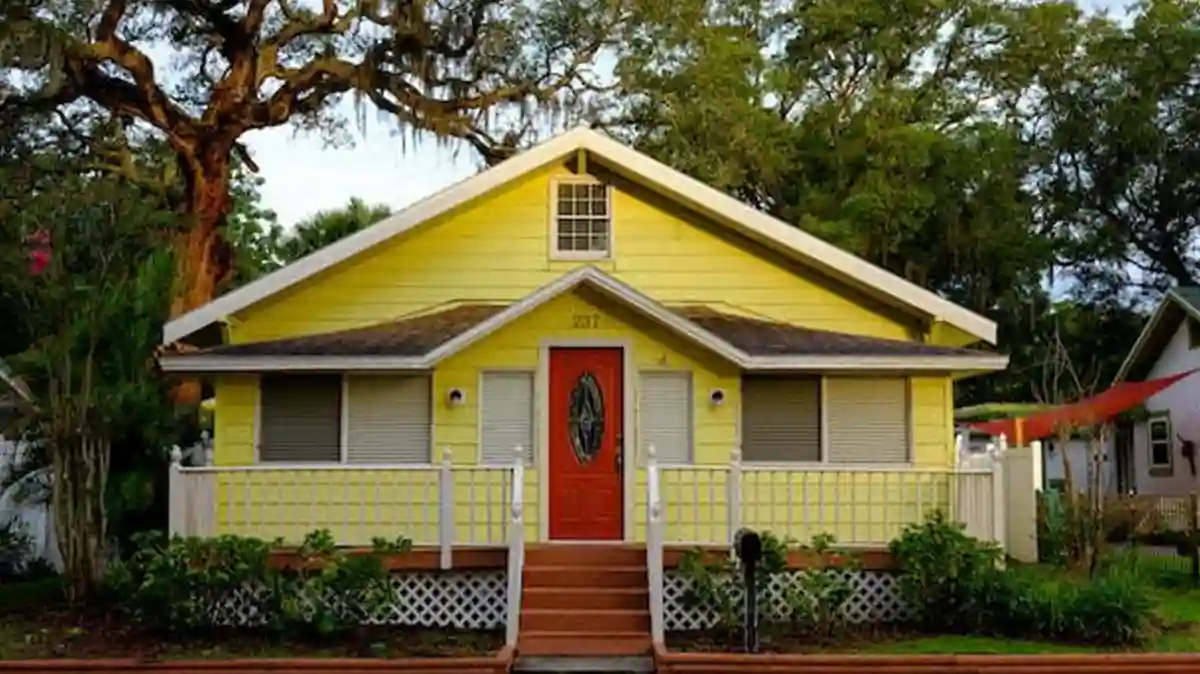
418	335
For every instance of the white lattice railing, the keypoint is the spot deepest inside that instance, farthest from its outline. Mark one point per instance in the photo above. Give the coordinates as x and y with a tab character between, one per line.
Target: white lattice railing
859	505
433	505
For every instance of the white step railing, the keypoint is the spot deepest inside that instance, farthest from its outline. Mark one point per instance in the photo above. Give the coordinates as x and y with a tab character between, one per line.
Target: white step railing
654	547
516	547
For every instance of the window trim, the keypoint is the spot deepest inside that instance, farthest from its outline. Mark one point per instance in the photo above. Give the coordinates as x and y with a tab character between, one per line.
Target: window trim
343	428
691	410
1163	469
532	462
823	431
552	234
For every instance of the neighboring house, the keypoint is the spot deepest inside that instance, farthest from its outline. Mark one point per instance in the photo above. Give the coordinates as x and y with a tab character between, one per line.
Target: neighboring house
581	302
23	499
1150	456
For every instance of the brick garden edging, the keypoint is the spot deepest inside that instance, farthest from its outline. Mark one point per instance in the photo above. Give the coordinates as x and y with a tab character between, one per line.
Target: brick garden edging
500	663
667	662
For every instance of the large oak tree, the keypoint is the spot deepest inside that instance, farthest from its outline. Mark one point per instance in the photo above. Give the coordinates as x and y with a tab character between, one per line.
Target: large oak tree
465	69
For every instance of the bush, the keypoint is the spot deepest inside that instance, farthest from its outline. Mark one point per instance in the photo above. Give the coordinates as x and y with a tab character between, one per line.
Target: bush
178	583
954	584
948	579
811	600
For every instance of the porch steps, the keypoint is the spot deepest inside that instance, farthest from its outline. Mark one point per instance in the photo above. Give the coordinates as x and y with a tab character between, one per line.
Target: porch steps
584	600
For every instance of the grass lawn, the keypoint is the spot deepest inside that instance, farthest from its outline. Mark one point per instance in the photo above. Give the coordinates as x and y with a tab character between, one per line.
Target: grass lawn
35	624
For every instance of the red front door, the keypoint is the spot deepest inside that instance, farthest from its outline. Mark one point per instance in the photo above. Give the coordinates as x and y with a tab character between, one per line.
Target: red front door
586	479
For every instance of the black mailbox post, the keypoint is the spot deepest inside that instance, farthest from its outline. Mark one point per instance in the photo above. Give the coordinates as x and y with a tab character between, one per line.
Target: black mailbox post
748	546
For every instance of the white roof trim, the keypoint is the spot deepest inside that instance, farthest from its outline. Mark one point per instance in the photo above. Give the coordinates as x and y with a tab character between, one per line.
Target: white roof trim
200	364
1150	327
597	279
687	190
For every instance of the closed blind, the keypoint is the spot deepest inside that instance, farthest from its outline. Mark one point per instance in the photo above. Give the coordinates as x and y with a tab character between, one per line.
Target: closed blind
300	417
665	415
781	419
388	419
868	420
506	417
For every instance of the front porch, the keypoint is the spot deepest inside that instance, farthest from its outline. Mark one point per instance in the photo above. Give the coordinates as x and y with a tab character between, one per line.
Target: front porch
449	505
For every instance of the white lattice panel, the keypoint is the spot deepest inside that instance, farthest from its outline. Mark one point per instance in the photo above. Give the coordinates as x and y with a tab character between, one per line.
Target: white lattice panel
455	599
876	599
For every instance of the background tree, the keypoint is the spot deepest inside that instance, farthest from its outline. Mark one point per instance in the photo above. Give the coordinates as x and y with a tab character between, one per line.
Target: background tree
325	227
86	262
449	68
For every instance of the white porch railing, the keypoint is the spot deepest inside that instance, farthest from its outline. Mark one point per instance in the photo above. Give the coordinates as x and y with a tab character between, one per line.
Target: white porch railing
861	505
516	548
441	505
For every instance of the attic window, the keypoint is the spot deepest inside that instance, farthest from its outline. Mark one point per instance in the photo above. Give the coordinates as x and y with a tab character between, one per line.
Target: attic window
582	219
1193	333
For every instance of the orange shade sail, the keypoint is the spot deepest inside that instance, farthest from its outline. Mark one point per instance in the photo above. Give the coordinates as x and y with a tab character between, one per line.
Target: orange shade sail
1097	409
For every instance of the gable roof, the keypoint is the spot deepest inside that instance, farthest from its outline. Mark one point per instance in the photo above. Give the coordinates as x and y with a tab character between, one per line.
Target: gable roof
420	342
751	222
1179	302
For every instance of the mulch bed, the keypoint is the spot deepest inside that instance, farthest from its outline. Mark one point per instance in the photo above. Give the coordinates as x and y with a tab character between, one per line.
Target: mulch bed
60	632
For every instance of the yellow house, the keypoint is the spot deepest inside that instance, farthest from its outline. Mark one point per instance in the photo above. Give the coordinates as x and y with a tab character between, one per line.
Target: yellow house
603	333
582	302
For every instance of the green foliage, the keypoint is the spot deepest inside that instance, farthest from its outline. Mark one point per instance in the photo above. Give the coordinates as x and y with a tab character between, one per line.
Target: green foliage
946	575
812	598
954	584
174	584
17	561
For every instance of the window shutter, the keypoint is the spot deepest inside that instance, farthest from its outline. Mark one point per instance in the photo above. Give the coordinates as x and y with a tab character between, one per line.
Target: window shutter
781	419
665	415
868	420
388	419
300	418
506	416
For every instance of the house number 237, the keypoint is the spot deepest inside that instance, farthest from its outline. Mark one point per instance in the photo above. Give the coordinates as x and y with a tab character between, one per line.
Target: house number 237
585	321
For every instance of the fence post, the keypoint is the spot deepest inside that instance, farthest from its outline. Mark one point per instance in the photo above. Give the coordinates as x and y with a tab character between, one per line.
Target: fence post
999	500
446	508
1193	525
176	498
734	488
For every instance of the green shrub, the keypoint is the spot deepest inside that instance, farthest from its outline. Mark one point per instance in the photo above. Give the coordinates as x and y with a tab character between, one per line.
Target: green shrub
811	600
953	583
177	583
948	579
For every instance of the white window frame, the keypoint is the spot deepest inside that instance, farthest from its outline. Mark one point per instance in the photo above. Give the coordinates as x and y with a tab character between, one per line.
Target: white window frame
1159	418
343	433
555	253
532	461
823	430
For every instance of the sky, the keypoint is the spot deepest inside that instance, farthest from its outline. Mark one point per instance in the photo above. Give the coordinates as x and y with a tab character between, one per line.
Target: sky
302	176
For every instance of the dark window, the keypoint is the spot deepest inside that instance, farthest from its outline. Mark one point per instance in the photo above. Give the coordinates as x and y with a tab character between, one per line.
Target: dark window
586	422
300	418
1193	333
1160	442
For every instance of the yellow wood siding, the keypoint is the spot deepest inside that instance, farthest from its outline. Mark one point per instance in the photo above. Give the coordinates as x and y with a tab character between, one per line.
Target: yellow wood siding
479	508
497	250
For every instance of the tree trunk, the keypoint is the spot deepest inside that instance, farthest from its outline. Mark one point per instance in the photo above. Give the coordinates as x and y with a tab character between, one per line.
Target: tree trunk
80	465
202	257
